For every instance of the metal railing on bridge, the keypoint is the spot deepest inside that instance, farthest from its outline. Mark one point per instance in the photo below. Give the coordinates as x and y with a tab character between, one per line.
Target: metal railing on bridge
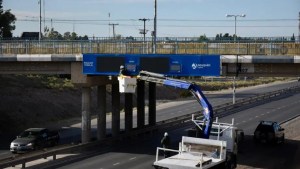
130	45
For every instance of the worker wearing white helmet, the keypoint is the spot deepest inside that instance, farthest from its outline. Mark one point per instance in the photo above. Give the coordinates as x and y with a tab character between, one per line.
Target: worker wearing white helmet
165	141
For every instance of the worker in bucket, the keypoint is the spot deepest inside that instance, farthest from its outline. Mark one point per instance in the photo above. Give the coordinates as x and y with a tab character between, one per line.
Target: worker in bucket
165	141
123	71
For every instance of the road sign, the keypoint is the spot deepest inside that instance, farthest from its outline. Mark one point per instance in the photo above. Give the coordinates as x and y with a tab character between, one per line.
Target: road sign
167	64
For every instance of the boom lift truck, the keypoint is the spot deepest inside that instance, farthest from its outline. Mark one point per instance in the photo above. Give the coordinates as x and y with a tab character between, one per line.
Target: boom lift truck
217	147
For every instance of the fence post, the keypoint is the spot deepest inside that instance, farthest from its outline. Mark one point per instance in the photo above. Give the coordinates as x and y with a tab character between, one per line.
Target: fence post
91	50
26	46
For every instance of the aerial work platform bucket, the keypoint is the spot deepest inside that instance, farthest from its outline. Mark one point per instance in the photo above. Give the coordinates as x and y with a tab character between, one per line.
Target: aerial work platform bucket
127	84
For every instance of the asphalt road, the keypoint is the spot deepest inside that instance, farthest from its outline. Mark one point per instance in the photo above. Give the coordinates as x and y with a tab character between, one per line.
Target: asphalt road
177	108
140	153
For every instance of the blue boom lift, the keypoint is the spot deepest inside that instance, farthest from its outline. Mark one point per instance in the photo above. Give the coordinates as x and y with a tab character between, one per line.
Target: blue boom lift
193	88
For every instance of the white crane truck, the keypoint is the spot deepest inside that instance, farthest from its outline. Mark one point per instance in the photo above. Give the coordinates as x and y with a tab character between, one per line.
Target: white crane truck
219	151
217	147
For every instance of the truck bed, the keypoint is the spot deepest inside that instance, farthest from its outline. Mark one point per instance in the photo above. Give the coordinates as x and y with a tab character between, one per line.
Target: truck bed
194	153
188	161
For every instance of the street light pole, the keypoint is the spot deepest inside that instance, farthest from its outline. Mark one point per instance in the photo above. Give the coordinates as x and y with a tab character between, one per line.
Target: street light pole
237	59
235	18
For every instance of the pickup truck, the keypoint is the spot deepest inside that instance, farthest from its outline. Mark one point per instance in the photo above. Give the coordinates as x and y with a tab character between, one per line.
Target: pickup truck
33	139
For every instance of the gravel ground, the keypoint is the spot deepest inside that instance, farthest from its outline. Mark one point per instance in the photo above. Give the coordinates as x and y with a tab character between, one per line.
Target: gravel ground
283	156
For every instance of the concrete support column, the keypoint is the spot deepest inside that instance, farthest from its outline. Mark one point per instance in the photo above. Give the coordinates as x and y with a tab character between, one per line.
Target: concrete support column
115	110
140	103
152	104
86	115
128	111
101	112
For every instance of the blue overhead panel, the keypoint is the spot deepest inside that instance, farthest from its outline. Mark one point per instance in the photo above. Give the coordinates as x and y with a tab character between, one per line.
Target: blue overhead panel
167	64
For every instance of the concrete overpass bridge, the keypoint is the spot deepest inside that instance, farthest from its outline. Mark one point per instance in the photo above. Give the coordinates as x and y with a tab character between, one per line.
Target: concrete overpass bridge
71	64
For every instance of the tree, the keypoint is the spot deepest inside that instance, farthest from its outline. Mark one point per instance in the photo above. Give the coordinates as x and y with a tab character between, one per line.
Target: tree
73	36
293	38
7	21
203	38
53	35
67	36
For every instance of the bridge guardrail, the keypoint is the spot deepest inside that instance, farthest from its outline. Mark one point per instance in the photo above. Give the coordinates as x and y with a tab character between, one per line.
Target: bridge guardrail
220	111
138	47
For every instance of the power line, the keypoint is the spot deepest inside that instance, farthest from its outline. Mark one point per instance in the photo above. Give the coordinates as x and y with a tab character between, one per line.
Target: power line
162	25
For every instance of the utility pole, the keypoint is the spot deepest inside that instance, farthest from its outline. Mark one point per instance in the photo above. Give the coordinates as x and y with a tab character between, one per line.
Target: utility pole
144	31
40	34
155	27
44	16
299	29
113	25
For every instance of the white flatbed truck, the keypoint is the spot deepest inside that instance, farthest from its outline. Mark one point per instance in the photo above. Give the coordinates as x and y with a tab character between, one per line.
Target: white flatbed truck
219	151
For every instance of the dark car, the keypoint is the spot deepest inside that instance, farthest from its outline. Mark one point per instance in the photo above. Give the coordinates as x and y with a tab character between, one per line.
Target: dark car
269	132
34	138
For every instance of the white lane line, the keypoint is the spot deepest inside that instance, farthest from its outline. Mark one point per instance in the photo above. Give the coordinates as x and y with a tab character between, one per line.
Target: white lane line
116	164
262	114
268	112
132	158
244	121
250	119
256	116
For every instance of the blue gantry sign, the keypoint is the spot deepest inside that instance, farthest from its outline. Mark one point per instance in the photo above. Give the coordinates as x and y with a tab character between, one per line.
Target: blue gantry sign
167	64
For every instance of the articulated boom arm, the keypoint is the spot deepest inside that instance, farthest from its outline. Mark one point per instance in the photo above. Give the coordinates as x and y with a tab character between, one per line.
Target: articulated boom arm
193	88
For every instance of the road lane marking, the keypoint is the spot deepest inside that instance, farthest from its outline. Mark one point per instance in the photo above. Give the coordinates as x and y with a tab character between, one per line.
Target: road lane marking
132	158
116	164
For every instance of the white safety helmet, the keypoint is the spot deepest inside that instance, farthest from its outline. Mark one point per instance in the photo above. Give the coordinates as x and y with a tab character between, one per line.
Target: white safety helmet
166	134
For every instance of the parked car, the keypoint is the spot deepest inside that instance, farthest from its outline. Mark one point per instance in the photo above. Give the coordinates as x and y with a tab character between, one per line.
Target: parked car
269	132
34	138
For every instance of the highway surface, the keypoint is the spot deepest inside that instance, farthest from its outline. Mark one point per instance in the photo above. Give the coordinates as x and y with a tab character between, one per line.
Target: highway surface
177	108
140	152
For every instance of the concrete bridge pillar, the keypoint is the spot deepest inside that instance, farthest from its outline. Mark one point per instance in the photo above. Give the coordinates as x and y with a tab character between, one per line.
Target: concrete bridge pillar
128	111
152	104
115	110
101	112
140	104
86	115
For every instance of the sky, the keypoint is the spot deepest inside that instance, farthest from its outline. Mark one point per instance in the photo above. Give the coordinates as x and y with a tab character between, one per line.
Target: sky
176	18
